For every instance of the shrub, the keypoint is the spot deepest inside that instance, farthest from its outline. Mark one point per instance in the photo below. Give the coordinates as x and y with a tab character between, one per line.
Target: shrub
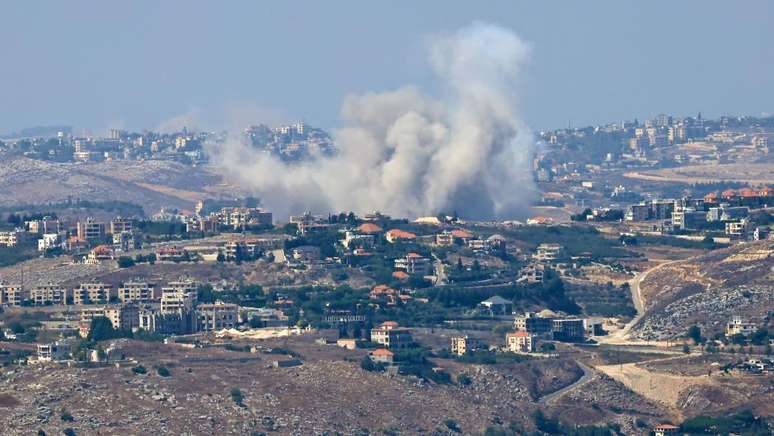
125	262
452	425
464	379
236	396
66	416
139	369
163	371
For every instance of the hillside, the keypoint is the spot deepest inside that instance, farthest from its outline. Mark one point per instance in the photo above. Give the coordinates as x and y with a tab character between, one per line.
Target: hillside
151	184
708	290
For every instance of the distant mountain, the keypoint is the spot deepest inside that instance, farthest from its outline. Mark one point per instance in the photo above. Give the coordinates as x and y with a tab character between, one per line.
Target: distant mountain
39	131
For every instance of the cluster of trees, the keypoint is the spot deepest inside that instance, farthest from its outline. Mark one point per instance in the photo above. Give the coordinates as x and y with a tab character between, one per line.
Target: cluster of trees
553	426
744	422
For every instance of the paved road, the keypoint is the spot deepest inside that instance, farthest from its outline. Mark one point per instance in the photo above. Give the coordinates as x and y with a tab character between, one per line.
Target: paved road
587	374
622	336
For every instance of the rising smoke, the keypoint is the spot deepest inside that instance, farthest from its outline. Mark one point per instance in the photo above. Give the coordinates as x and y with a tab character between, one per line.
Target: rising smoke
408	154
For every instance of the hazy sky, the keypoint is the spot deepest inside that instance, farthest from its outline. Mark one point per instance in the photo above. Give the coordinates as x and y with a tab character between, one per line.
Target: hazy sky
100	64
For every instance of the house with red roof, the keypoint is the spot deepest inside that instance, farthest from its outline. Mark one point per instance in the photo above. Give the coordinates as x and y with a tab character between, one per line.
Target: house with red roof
383	356
396	234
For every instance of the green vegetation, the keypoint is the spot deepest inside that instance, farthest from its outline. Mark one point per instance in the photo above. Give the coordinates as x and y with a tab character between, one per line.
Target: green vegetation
694	332
743	423
125	262
102	329
114	207
705	244
464	379
576	239
14	255
486	357
139	370
162	371
66	416
552	426
452	425
236	396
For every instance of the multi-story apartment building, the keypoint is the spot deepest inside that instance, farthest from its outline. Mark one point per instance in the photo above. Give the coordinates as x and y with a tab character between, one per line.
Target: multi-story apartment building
119	224
178	297
49	295
738	326
414	264
12	295
569	330
14	238
91	230
238	217
548	253
137	292
122	317
391	335
45	225
216	316
93	293
49	241
520	342
532	323
461	345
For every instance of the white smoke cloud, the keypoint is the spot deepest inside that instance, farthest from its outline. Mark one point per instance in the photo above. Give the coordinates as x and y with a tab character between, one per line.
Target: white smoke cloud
409	154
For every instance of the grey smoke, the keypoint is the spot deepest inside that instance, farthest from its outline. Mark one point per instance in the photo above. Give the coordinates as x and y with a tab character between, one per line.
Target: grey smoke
409	154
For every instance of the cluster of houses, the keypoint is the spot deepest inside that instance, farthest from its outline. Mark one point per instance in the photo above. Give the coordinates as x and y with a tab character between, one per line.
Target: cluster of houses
728	211
52	234
170	309
546	256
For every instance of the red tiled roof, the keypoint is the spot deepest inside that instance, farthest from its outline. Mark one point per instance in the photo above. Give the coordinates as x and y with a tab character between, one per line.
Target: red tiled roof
400	234
369	228
382	352
518	334
729	193
400	275
102	249
462	234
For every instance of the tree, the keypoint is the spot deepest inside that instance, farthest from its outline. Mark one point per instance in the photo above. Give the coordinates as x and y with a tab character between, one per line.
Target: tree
694	332
686	349
66	416
125	262
101	329
139	369
464	379
163	371
739	339
760	337
237	397
221	258
452	425
368	364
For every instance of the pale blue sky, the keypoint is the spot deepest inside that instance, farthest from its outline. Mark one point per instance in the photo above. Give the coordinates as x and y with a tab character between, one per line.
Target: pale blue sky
97	64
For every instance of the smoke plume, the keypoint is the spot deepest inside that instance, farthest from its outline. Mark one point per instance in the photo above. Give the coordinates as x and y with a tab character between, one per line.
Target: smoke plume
409	154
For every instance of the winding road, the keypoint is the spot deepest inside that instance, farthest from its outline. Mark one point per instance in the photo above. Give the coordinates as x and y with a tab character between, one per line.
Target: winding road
585	378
